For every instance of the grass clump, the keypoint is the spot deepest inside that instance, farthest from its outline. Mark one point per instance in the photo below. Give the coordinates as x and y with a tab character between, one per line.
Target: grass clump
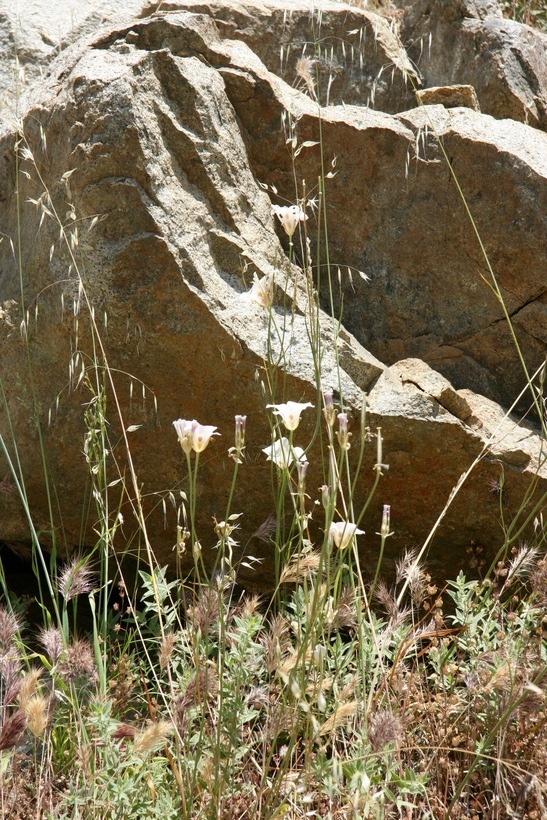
431	704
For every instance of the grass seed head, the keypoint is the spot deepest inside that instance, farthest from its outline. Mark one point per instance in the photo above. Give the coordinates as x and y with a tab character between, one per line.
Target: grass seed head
28	687
339	717
304	70
266	529
37	712
166	650
9	627
10	668
300	567
13	728
344	615
152	738
78	662
251	606
384	728
124	731
204	614
276	642
51	640
75	579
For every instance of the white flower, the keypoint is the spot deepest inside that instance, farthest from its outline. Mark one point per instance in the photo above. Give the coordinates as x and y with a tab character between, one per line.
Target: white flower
319	654
201	436
183	429
262	291
290	412
342	532
193	436
289	217
283	454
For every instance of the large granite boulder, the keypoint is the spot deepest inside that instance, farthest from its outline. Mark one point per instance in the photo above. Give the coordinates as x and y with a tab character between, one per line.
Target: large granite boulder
357	55
396	213
468	41
143	217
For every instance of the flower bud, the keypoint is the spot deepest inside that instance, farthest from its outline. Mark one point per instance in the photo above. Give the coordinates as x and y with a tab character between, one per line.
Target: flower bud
386	518
302	469
329	410
343	435
240	432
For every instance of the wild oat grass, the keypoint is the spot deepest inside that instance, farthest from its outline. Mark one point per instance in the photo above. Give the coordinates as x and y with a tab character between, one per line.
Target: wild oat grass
339	695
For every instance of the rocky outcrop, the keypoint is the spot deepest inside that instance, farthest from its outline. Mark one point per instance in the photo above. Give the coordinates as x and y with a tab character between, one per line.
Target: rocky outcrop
468	41
148	147
408	229
355	54
463	442
451	96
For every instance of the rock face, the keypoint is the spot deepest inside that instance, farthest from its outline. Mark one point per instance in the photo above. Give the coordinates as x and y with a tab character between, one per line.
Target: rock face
451	96
468	41
410	232
144	216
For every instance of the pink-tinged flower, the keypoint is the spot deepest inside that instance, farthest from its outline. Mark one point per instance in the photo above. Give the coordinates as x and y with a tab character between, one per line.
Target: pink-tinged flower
262	291
342	532
283	454
290	412
193	436
289	217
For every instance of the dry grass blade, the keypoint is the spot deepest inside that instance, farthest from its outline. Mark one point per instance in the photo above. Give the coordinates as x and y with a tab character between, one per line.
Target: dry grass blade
291	662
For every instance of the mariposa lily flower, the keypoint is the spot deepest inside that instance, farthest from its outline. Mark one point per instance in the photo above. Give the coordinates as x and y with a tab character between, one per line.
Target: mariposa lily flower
183	429
262	291
194	436
290	412
201	436
283	454
342	532
289	216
